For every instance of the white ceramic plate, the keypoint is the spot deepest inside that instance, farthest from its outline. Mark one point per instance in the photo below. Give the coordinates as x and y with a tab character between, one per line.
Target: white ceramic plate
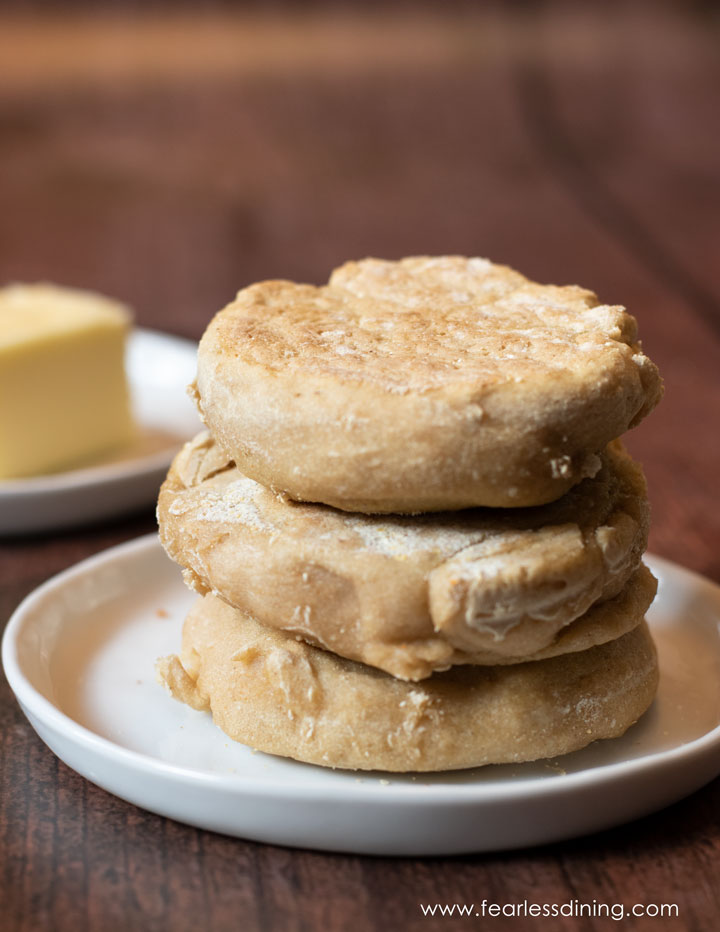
79	655
159	368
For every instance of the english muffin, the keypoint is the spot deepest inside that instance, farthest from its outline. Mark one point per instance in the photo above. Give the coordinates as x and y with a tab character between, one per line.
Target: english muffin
411	595
427	384
282	696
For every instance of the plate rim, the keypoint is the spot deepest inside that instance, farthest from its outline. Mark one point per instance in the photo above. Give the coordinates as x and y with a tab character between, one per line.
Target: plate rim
34	704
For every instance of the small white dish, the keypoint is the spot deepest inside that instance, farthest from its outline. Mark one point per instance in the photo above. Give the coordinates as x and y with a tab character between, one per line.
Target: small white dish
79	654
159	368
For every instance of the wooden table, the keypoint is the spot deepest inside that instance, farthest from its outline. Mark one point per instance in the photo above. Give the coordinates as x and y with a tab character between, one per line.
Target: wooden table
171	160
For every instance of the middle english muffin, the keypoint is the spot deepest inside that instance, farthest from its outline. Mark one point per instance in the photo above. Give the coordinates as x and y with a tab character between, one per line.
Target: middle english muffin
411	595
427	384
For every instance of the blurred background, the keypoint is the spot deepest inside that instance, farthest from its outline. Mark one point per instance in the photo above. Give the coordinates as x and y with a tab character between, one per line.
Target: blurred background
170	153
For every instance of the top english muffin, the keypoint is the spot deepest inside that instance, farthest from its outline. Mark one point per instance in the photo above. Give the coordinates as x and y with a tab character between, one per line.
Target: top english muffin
426	384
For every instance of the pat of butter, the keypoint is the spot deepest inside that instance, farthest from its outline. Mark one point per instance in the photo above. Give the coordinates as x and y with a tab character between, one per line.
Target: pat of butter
63	393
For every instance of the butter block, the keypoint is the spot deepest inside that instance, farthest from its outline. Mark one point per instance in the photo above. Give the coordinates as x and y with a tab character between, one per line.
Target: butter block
64	397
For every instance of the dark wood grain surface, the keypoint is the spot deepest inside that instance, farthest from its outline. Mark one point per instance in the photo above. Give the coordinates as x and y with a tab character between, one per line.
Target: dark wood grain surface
172	158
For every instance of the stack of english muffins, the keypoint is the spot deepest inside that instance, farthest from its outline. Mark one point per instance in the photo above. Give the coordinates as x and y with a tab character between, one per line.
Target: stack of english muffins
417	538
